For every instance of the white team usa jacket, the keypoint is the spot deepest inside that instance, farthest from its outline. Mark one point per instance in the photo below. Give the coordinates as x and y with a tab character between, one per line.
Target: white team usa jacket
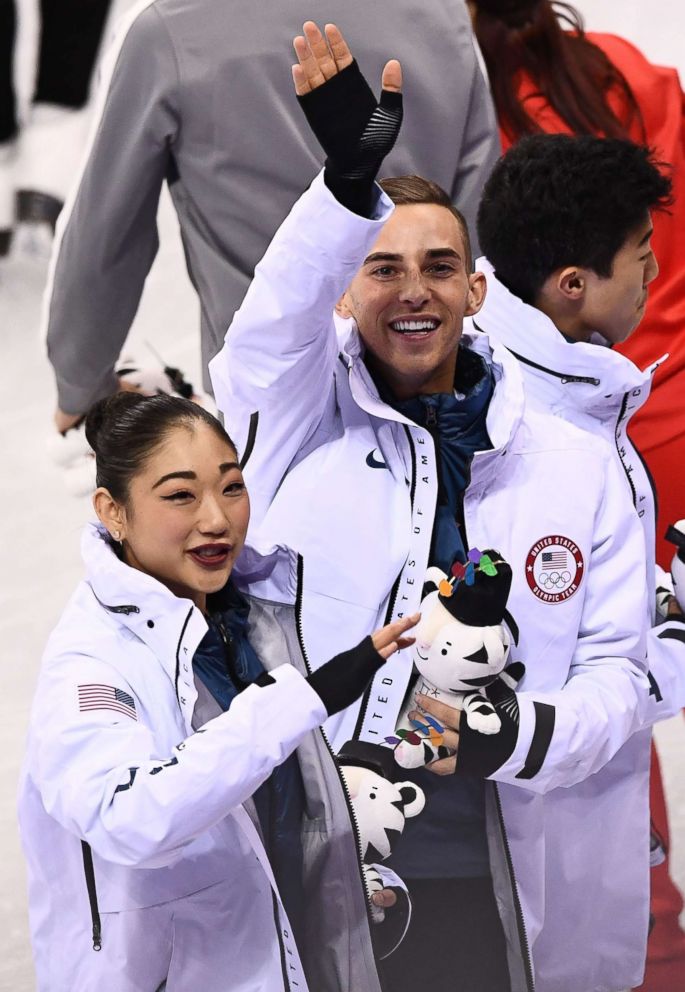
599	389
143	865
351	484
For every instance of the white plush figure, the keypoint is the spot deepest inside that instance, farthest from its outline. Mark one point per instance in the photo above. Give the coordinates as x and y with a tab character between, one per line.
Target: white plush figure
676	535
380	807
461	647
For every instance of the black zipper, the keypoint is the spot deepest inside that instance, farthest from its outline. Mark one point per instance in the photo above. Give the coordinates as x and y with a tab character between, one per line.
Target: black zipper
251	438
621	415
520	922
559	375
229	656
92	895
346	791
541	368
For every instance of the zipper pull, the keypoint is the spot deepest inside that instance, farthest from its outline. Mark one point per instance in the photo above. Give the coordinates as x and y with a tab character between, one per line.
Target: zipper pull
431	416
97	937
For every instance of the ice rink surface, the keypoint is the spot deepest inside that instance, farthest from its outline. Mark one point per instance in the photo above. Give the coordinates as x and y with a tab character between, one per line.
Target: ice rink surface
39	548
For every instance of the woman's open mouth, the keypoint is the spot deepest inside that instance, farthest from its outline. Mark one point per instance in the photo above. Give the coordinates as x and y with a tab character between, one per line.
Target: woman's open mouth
211	556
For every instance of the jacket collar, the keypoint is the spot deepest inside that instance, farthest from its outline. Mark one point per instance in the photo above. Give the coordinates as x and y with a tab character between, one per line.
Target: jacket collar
590	376
505	411
169	625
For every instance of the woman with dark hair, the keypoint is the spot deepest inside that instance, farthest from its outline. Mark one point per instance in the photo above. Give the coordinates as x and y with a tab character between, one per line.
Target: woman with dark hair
548	75
155	720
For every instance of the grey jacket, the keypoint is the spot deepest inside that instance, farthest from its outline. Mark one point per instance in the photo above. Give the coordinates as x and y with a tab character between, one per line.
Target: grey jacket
198	93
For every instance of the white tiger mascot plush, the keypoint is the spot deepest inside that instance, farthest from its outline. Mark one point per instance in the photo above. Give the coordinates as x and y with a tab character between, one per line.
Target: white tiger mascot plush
380	806
676	535
462	646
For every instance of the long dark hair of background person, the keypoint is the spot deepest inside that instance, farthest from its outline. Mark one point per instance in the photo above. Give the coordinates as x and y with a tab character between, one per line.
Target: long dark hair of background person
548	42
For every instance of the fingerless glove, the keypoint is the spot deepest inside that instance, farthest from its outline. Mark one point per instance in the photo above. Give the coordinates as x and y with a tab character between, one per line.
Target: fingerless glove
356	133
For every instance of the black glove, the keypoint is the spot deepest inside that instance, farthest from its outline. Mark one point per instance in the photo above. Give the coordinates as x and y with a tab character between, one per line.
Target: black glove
344	678
356	133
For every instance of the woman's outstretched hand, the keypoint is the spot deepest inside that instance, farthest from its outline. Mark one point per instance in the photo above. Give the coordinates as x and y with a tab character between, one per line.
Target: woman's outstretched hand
343	679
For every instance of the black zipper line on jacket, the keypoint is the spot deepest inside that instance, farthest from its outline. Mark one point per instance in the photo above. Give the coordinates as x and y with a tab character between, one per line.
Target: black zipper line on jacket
520	922
559	375
346	792
281	945
541	368
178	652
364	705
230	657
251	437
92	895
126	610
629	477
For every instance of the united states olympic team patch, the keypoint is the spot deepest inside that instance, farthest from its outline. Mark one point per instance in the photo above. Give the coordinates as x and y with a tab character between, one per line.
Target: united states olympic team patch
554	568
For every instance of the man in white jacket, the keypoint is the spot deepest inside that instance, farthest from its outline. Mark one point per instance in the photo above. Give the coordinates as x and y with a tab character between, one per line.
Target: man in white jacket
398	443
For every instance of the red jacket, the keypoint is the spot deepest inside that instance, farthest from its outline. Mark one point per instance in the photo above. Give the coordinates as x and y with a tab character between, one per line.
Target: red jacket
658	430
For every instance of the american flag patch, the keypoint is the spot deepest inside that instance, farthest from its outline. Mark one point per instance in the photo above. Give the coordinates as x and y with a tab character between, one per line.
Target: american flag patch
554	559
106	697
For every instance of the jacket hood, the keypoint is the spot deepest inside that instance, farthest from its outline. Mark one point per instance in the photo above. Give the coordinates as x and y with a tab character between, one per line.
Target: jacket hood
593	376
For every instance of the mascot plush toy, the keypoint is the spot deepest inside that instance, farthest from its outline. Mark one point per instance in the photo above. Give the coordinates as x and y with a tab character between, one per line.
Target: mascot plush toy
462	645
380	806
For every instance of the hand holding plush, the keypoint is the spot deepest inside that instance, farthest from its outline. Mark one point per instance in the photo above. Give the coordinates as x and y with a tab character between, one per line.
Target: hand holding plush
462	646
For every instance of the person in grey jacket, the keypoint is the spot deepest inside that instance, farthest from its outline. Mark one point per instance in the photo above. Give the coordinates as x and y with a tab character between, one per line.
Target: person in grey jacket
192	94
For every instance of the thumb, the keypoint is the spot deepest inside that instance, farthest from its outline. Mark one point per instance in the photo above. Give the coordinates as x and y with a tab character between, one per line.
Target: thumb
392	77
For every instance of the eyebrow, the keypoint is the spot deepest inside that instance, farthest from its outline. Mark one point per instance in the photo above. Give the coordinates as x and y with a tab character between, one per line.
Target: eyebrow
387	256
223	468
646	238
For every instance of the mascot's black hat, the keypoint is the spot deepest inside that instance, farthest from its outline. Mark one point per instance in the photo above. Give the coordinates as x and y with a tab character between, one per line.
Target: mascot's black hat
482	603
365	754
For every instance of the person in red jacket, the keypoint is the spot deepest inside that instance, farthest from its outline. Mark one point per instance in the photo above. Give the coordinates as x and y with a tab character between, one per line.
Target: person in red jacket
548	75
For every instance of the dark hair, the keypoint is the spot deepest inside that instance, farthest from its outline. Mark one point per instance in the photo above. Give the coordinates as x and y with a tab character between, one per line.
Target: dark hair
125	429
572	74
407	190
555	200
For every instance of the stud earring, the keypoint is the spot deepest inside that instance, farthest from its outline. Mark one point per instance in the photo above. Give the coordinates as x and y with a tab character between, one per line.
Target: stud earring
116	535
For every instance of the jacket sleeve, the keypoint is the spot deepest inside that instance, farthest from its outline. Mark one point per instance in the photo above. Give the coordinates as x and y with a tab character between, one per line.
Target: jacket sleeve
273	378
666	655
107	233
101	776
559	738
480	149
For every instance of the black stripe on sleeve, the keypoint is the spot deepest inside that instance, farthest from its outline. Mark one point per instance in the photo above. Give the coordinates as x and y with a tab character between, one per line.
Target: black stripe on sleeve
673	634
545	716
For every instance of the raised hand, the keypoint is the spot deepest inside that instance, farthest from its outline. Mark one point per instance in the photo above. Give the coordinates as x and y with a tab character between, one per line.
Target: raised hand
322	56
355	130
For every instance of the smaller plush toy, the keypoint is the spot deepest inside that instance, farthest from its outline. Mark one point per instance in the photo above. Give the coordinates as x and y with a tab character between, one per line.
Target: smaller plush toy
676	535
380	806
462	646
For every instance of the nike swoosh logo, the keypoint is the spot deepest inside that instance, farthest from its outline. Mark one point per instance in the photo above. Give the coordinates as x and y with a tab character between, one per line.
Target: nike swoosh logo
373	462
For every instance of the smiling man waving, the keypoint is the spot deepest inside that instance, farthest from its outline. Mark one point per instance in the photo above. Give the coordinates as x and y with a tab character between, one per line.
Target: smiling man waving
385	440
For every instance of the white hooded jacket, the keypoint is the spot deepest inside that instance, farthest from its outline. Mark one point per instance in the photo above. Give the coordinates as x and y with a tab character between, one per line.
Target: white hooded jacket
351	484
143	865
599	389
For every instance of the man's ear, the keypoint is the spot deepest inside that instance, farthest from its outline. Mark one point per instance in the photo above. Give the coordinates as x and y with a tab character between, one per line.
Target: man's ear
110	513
475	297
570	282
342	307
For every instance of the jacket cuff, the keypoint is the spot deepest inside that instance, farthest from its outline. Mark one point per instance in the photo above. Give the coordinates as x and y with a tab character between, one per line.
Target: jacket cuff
518	752
304	708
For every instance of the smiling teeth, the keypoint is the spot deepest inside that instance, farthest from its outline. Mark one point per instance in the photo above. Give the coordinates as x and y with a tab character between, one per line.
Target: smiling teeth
414	325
